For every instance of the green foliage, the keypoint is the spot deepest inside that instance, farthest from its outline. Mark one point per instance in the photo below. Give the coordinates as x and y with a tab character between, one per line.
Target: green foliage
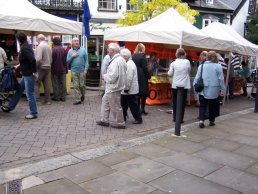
151	8
252	26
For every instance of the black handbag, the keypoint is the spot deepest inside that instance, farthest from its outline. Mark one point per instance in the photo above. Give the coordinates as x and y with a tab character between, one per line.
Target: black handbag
199	85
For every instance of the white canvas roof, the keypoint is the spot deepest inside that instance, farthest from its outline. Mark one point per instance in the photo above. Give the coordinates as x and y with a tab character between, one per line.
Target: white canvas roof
24	16
226	32
167	28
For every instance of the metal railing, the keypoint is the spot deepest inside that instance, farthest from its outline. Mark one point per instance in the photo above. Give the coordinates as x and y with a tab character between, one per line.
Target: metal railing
58	4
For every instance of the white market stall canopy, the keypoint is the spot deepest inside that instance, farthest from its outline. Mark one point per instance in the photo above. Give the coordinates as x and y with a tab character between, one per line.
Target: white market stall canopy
168	28
24	16
226	32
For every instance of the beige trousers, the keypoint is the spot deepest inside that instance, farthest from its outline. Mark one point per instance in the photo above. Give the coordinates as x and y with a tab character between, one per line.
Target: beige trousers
78	85
111	110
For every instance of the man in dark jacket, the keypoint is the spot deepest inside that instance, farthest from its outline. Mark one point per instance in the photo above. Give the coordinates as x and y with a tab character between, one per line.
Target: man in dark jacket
29	74
58	70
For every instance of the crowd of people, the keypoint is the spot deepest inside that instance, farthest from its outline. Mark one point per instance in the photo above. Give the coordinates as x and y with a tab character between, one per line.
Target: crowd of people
37	66
125	75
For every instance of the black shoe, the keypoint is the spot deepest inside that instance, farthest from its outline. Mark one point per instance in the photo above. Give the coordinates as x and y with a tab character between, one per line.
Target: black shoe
5	109
102	123
211	123
118	126
30	116
201	125
137	122
82	98
144	113
62	99
55	99
76	103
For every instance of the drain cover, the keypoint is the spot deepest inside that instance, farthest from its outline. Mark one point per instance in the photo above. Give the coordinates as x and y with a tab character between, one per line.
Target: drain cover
14	187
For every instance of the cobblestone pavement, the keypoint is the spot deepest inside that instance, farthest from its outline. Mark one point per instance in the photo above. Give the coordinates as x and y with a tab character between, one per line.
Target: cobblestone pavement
64	128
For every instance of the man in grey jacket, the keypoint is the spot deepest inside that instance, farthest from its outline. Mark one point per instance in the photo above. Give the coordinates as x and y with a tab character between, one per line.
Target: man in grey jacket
115	79
43	60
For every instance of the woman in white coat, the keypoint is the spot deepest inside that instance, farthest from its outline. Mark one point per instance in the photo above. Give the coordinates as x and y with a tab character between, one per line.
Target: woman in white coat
180	71
129	94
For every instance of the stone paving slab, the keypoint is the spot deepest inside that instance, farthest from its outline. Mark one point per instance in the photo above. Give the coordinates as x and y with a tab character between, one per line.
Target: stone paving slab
253	169
180	145
222	144
157	192
182	182
85	171
150	150
50	176
210	132
31	181
143	169
195	137
190	164
62	186
235	179
108	185
226	158
249	151
252	141
115	158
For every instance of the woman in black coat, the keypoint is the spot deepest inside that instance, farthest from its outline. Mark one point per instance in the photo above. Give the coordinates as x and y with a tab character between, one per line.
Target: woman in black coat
141	63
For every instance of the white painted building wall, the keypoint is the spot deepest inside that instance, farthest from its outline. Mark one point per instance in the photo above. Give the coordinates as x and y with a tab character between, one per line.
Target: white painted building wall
93	5
240	19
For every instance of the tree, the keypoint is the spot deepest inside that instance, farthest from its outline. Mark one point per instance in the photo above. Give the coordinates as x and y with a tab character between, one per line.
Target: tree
147	9
252	27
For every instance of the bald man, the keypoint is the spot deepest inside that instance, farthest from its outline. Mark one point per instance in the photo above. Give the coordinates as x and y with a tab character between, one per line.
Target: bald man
78	59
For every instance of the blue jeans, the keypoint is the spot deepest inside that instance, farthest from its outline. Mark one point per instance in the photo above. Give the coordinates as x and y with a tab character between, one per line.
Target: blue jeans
27	83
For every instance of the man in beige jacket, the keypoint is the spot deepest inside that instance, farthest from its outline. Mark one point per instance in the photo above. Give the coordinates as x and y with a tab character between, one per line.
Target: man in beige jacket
115	78
44	60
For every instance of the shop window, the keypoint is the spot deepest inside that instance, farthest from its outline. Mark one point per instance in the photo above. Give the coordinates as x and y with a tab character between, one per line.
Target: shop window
107	5
130	6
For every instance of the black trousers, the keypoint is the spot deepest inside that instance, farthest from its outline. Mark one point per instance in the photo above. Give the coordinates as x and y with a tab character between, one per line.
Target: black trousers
141	101
131	101
174	97
212	105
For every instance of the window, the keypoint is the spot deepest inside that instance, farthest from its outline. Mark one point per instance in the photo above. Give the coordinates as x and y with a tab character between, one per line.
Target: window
209	2
107	5
206	22
208	19
130	6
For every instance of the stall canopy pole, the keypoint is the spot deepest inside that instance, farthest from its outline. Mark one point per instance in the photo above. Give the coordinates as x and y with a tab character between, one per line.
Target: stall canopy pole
228	71
102	57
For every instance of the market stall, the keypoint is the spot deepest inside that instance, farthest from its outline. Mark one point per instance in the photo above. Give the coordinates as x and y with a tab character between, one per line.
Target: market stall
163	34
23	16
240	46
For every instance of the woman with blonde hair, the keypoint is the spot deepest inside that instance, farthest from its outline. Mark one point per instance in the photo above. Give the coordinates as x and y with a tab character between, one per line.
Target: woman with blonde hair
213	80
180	71
140	61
